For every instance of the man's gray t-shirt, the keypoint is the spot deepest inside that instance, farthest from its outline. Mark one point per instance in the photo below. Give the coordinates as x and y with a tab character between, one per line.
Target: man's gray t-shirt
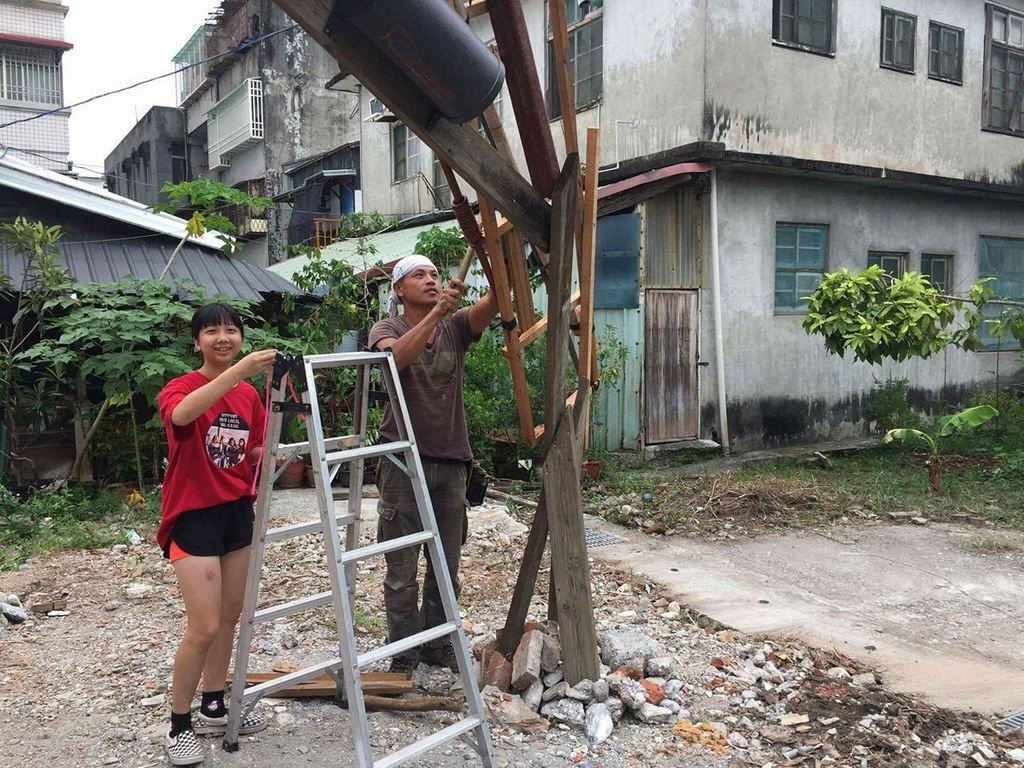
433	388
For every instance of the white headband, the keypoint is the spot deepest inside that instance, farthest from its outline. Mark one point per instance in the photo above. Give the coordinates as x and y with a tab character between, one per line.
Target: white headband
400	270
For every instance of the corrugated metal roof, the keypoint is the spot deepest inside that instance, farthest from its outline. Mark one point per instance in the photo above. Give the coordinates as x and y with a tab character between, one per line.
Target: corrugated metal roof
389	246
77	194
107	262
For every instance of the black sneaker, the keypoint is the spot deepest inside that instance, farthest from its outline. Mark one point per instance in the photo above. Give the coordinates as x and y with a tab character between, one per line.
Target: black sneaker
440	656
403	665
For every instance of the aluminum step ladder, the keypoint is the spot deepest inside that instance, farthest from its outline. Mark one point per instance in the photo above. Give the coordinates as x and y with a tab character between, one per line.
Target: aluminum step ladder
328	456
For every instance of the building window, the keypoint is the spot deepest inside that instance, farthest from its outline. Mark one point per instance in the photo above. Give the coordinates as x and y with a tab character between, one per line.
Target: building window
586	36
945	53
800	257
1004	70
30	74
938	269
807	24
441	191
1002	259
405	152
899	38
617	262
894	264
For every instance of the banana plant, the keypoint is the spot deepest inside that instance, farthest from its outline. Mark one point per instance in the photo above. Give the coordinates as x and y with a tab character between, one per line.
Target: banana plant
945	426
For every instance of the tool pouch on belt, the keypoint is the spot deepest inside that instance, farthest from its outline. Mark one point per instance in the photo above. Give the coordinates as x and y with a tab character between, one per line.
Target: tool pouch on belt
476	484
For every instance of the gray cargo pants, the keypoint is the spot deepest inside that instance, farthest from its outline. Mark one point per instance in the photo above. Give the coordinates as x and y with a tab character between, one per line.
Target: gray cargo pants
399	516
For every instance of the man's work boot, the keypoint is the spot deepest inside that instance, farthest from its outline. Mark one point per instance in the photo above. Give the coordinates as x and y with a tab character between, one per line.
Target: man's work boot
440	656
403	665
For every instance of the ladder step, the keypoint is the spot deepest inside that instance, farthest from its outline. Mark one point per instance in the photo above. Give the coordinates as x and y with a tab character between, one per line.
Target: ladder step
330	443
383	547
405	644
367	451
288	680
425	744
292	606
302	529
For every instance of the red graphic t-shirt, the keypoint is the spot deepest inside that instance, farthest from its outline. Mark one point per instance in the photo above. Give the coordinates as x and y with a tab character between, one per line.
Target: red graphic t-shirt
208	460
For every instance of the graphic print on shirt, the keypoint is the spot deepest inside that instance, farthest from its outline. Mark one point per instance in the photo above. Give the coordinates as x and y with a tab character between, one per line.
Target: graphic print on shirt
226	440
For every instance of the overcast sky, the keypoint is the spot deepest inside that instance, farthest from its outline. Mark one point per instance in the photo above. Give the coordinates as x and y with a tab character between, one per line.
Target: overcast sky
119	42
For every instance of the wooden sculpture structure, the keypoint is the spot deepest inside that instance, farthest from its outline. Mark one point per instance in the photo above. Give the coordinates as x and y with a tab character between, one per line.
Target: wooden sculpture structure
555	210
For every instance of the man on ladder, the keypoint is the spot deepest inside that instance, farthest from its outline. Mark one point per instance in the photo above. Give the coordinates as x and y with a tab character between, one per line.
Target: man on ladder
429	341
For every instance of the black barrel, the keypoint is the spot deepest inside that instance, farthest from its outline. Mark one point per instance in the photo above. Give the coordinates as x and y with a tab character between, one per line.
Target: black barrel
435	47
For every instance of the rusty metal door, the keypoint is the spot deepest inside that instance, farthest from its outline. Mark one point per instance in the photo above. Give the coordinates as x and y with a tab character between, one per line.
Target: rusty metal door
670	365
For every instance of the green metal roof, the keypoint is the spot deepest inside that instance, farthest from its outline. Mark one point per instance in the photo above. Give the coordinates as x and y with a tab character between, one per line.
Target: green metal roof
389	246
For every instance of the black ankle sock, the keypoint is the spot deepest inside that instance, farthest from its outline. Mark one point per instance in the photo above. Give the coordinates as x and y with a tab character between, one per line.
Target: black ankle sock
180	723
213	704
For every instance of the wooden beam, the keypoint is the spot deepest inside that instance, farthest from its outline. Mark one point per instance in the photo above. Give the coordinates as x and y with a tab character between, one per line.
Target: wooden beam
478	8
526	582
569	566
566	94
564	216
535	331
515	257
468	153
503	295
587	363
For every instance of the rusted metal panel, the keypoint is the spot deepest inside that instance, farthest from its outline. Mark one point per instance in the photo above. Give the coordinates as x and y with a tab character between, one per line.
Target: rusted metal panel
672	253
670	366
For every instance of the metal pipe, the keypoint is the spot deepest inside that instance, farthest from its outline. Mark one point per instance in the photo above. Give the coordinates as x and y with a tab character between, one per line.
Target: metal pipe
525	92
716	290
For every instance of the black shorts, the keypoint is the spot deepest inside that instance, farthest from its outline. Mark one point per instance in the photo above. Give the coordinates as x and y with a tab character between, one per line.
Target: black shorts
213	531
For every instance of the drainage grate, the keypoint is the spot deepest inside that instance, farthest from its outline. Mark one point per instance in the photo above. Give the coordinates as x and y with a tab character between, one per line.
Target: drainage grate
597	539
1008	723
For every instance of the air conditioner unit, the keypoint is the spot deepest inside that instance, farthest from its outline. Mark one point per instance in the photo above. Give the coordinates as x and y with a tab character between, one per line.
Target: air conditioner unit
379	113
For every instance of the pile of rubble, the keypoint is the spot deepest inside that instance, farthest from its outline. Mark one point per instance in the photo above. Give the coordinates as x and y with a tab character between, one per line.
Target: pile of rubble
637	678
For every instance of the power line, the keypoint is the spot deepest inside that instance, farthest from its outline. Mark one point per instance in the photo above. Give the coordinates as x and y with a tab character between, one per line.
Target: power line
237	49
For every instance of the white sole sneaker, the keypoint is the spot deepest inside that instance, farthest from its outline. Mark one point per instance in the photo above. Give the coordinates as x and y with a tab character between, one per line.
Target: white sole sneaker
184	749
204	725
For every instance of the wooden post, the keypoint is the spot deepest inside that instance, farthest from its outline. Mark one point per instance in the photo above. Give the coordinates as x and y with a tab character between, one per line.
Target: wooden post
569	566
462	147
570	569
588	368
526	582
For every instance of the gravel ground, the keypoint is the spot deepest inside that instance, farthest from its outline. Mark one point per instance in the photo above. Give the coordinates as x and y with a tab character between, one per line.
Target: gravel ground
90	688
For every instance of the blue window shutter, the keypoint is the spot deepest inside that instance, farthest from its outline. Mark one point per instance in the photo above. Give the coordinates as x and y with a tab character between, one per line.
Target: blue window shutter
617	262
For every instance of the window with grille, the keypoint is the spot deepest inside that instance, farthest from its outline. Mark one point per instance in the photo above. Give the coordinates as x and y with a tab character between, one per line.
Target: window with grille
899	35
32	75
945	53
800	257
1004	72
807	24
442	192
405	153
939	269
586	47
1002	259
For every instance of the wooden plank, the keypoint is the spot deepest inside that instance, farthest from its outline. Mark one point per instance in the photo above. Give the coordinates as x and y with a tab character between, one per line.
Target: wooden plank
515	257
569	565
462	147
526	581
533	332
478	8
504	297
588	350
420	704
325	686
564	216
566	93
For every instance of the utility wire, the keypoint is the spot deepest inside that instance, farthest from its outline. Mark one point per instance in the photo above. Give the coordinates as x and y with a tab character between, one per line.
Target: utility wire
237	49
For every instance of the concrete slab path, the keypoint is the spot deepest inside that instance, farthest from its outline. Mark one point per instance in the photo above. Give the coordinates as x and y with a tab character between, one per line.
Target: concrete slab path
937	617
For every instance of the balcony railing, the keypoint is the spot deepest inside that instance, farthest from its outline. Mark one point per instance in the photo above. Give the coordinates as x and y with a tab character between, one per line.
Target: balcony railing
326	231
235	122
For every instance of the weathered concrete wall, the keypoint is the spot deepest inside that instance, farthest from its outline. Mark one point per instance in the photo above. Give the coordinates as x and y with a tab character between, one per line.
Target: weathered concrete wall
152	136
762	97
781	384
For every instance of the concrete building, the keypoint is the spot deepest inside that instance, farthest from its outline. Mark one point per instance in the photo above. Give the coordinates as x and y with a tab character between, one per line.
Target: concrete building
262	104
32	45
838	133
152	154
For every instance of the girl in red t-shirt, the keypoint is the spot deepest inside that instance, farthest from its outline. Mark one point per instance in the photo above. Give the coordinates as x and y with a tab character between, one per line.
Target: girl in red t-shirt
214	421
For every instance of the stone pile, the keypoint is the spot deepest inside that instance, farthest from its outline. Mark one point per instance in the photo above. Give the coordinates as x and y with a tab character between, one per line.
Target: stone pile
638	679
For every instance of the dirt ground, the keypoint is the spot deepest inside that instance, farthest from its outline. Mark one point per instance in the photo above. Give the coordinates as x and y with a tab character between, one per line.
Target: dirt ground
90	688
